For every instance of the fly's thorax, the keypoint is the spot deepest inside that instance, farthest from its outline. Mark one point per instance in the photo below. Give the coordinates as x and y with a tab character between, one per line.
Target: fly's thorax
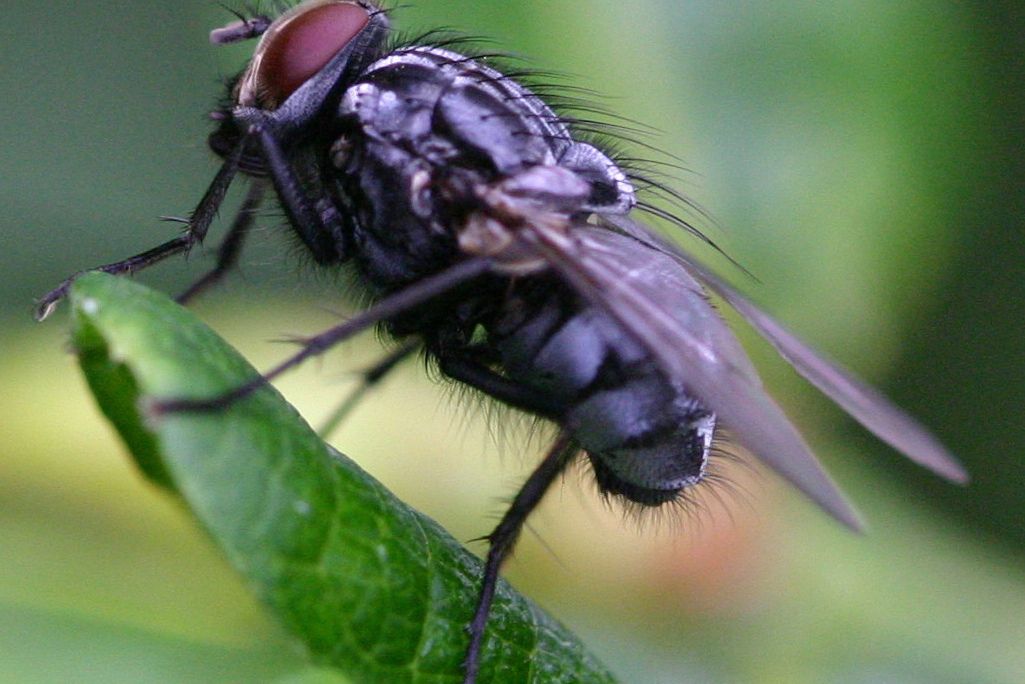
443	145
540	197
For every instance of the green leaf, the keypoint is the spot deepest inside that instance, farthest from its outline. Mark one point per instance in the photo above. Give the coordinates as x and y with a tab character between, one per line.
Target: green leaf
368	585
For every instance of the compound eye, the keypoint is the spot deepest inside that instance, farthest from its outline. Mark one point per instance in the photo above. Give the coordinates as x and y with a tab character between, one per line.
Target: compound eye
302	44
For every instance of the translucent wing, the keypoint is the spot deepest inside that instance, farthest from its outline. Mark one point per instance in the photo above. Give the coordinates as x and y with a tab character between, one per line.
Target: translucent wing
866	405
657	301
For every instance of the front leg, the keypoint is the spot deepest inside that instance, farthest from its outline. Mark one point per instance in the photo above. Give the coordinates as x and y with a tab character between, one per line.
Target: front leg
196	230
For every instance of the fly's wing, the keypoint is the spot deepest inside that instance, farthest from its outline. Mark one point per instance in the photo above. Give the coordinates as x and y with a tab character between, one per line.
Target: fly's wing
657	302
866	405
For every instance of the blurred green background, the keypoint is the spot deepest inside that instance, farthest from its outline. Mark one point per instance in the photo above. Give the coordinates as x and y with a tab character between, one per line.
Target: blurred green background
864	159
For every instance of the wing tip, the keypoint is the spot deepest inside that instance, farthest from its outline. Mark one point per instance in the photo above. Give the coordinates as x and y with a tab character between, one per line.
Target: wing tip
947	466
930	453
955	472
844	512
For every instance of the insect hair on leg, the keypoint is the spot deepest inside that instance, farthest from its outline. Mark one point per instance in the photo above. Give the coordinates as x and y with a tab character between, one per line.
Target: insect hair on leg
505	427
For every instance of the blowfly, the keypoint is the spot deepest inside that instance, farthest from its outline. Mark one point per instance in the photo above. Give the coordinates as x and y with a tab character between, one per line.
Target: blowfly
498	237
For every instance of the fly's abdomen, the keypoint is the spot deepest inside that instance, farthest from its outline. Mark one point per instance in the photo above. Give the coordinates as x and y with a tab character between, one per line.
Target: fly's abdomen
646	438
646	458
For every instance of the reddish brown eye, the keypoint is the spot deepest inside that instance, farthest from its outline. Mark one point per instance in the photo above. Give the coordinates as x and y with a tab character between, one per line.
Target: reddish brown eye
303	44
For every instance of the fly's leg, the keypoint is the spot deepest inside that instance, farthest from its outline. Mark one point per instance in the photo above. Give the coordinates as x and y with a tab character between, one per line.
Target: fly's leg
325	235
198	224
503	539
369	378
475	374
231	245
385	309
465	367
326	238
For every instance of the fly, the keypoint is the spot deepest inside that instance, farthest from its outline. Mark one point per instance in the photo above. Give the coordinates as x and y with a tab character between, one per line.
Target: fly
489	232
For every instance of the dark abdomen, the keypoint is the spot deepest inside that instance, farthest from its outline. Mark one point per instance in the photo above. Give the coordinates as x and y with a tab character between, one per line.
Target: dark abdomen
646	438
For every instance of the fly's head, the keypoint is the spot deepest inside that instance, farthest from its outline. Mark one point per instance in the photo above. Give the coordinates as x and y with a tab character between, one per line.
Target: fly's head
303	60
